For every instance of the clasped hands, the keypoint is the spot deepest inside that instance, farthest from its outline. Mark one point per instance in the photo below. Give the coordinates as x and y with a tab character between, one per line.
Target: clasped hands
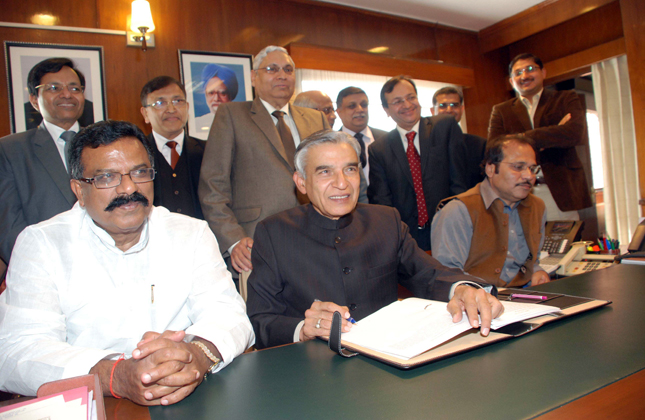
163	370
475	302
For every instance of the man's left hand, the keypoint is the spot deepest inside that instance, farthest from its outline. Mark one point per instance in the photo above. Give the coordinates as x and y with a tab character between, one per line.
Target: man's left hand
477	303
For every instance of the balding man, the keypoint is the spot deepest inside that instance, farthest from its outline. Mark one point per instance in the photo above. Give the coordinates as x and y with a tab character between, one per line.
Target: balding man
248	162
319	101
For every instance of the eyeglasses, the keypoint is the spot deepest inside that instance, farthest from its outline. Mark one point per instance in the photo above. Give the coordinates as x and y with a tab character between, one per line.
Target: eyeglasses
275	69
528	69
159	105
521	166
328	110
445	105
58	88
399	101
113	179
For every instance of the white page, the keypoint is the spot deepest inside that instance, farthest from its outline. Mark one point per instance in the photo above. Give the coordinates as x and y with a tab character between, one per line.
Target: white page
517	311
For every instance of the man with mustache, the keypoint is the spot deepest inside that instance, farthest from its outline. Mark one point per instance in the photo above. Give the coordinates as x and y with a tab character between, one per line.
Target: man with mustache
557	123
419	163
34	183
115	278
495	230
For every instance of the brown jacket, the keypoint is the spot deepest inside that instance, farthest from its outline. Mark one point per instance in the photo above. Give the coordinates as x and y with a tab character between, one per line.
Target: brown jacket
555	144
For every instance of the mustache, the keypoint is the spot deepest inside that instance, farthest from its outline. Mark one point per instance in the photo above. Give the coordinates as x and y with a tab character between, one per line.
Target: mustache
135	197
525	183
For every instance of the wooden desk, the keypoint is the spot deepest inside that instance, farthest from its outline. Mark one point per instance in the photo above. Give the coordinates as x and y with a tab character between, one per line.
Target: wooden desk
587	366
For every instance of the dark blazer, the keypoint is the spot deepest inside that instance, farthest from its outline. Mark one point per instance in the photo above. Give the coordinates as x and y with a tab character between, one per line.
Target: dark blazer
245	175
563	171
443	168
475	148
185	181
378	133
356	261
34	185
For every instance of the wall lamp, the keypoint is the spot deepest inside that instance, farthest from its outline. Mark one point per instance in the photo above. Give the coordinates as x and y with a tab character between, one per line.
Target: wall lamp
141	25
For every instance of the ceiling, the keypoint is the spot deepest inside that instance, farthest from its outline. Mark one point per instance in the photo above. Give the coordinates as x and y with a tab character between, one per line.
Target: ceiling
466	14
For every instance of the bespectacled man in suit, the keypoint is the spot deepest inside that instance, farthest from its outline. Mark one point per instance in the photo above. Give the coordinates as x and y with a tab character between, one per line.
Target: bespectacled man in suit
248	161
34	183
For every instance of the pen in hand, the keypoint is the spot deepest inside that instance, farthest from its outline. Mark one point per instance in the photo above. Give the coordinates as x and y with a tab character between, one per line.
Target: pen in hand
350	319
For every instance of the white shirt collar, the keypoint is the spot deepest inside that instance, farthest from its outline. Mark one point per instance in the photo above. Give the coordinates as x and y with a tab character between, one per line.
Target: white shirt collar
161	140
55	131
270	107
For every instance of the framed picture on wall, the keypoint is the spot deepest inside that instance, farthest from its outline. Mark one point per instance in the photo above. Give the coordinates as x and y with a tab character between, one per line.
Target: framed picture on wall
213	78
21	57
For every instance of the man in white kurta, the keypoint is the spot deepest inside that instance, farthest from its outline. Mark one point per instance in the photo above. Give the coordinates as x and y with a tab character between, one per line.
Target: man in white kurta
76	299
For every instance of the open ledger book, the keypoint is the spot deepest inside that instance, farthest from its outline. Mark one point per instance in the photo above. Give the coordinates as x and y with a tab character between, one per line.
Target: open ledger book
417	331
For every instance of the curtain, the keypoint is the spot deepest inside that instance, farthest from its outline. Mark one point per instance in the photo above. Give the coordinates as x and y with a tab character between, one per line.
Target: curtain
614	105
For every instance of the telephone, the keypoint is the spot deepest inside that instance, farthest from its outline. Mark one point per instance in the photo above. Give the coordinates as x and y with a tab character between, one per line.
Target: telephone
566	256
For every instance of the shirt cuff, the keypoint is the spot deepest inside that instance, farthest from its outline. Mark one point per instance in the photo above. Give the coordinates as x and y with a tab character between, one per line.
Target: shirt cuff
296	333
232	246
487	288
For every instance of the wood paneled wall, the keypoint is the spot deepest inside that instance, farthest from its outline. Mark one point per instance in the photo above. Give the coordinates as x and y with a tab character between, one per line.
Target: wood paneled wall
243	26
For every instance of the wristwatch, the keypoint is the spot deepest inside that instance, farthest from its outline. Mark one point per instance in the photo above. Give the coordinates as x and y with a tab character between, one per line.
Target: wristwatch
216	361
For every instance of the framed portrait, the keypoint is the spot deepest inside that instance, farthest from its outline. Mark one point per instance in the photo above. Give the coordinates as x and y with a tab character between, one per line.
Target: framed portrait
21	57
211	79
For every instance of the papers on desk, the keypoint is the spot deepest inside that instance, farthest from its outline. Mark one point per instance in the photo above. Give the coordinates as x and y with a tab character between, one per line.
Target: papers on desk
67	405
413	326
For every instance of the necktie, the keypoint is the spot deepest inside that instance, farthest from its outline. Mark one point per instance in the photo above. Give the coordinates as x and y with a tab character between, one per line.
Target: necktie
285	135
68	136
174	156
415	167
359	137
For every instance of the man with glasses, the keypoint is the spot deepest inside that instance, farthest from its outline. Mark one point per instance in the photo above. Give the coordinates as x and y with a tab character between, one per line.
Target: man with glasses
34	183
178	157
319	101
115	278
417	164
248	161
449	100
556	121
495	230
220	86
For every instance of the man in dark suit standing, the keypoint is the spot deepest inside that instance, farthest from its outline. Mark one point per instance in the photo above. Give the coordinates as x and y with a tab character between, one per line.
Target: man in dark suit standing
34	183
556	121
414	179
337	255
449	100
178	157
248	161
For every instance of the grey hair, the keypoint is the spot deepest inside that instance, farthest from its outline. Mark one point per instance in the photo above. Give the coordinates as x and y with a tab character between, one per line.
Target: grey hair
257	60
322	137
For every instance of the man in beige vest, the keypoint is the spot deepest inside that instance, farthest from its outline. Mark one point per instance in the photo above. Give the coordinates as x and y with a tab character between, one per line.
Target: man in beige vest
495	230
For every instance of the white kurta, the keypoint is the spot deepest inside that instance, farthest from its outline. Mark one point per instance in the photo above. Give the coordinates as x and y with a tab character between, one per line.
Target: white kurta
73	298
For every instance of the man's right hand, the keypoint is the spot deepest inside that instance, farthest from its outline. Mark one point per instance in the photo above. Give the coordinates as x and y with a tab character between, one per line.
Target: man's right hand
318	320
241	255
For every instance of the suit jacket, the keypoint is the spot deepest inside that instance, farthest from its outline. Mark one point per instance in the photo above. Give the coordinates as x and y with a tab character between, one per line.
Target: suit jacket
245	174
186	179
555	144
378	133
475	148
356	261
443	168
34	185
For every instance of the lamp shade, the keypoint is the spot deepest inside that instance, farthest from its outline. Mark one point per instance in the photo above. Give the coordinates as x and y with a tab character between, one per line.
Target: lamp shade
141	16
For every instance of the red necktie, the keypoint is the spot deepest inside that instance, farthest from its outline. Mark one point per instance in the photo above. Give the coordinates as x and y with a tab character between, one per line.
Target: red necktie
415	167
174	156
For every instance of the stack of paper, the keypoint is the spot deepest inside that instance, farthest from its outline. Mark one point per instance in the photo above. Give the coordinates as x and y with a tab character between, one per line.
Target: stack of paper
68	405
